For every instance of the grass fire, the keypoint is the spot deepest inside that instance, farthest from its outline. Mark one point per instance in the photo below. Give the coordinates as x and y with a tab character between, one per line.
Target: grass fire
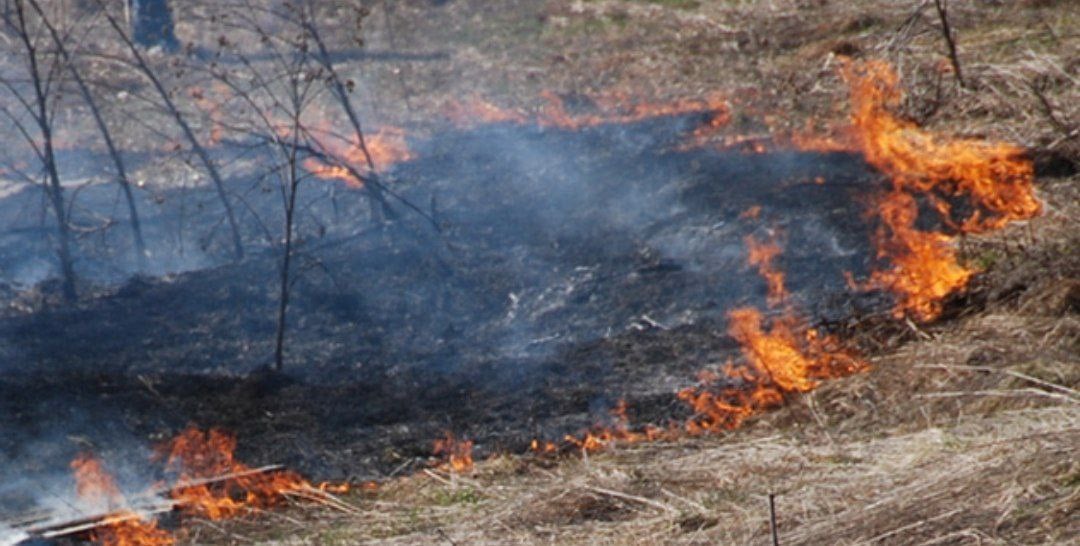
563	272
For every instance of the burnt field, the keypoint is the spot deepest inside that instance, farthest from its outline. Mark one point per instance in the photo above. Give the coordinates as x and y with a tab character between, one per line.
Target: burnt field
553	273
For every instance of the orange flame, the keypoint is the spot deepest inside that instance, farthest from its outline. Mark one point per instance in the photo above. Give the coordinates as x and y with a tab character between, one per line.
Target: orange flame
387	147
544	447
129	529
601	436
786	358
925	268
995	177
457	454
95	486
195	455
762	255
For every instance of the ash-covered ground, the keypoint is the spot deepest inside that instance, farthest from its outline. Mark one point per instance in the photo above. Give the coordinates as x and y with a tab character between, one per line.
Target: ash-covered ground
564	270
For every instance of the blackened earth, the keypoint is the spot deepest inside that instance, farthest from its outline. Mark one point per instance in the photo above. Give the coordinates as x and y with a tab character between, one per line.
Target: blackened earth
556	272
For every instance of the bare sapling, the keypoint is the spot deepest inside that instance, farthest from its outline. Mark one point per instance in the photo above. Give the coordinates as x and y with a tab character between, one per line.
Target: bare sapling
106	135
140	63
274	114
950	40
38	103
380	208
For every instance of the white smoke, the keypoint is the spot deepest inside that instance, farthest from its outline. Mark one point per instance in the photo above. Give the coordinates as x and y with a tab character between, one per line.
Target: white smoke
11	537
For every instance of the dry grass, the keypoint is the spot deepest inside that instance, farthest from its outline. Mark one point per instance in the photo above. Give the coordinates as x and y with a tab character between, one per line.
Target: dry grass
963	432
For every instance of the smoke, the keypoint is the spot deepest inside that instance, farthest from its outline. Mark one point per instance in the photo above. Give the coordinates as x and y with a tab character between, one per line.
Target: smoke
35	461
11	537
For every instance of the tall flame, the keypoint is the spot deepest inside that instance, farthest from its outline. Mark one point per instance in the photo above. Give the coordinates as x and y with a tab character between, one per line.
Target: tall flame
996	178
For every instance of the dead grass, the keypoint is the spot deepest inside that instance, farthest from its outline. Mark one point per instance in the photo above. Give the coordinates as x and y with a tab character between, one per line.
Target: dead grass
963	432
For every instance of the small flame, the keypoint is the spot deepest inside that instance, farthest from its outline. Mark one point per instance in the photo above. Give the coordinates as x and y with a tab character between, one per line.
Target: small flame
786	357
456	453
762	255
601	436
387	147
195	455
128	529
94	486
543	447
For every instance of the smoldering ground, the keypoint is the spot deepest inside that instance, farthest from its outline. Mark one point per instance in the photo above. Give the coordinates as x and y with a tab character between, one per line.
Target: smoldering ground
552	273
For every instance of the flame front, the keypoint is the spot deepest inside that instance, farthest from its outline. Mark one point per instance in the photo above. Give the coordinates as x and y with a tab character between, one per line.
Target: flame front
456	453
785	357
996	178
195	455
130	530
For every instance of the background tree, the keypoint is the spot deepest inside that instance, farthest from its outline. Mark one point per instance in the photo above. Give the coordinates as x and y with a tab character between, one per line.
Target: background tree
122	180
139	61
36	94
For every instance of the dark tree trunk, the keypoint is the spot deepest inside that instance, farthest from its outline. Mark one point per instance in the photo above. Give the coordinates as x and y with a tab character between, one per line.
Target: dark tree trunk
152	24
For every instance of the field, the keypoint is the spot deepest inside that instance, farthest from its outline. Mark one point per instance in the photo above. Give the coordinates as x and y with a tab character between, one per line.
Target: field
962	427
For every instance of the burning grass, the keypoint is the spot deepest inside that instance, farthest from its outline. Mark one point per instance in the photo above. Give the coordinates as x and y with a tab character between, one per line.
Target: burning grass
943	438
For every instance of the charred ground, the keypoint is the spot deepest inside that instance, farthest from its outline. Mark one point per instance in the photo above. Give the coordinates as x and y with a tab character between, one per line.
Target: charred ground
565	270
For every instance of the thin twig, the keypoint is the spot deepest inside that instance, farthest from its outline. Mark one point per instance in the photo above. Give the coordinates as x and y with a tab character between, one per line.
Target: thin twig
1013	373
772	520
1002	393
943	13
629	497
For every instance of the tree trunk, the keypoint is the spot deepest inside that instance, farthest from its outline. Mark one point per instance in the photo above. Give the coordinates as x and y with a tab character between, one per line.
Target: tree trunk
53	187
